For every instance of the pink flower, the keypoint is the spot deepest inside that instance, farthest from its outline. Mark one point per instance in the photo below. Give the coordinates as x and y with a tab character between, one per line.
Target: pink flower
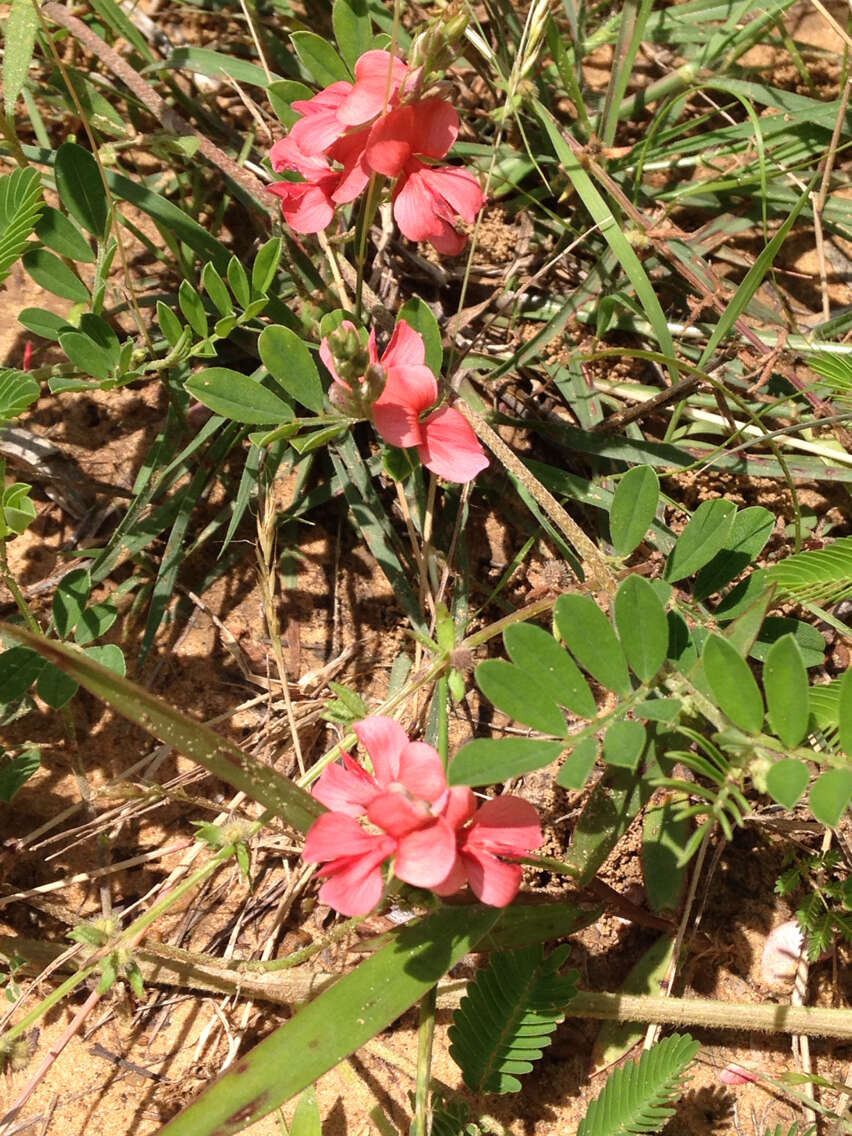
445	440
428	128
426	202
734	1074
504	826
406	796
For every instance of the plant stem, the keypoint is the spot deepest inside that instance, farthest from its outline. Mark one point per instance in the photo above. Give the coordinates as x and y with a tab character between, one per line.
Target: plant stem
425	1037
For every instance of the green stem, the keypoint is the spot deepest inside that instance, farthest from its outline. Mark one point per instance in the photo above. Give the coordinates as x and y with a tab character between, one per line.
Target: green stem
425	1038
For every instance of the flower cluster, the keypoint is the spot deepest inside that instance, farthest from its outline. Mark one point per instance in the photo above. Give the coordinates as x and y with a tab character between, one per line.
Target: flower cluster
436	835
395	390
352	131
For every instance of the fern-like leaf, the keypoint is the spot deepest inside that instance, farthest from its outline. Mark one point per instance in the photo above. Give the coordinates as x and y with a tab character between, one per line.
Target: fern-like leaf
452	1118
638	1097
838	370
822	575
507	1016
17	391
20	207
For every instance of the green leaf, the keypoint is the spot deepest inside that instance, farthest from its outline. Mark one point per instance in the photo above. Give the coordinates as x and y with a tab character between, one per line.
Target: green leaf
69	599
664	837
578	765
360	1005
352	29
634	504
55	687
642	625
20	206
319	58
94	622
830	795
265	266
306	1119
486	760
19	37
808	639
844	713
216	289
612	805
170	325
61	235
86	355
236	396
282	93
16	771
707	532
239	282
785	681
734	687
787	780
822	575
109	656
291	364
192	307
19	668
624	742
216	65
590	638
750	531
47	325
658	709
508	688
50	273
507	1016
18	390
639	1096
81	189
419	315
549	667
17	511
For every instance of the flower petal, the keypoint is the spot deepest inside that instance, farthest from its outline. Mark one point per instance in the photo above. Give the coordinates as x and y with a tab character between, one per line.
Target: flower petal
450	448
505	825
397	813
436	127
384	740
409	390
414	207
319	125
454	880
421	771
346	790
356	886
286	155
334	836
407	348
378	75
306	207
459	806
492	881
426	857
458	188
349	151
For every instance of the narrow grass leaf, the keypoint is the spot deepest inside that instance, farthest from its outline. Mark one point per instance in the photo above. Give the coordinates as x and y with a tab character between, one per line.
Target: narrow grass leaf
785	681
705	534
642	625
844	713
360	1006
634	505
733	685
221	757
590	638
306	1119
19	37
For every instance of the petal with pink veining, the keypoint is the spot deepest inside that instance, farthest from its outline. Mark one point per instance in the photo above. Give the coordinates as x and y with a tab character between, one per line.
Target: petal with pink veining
336	835
450	448
458	188
349	151
398	425
425	857
354	885
378	77
389	144
319	125
492	881
384	740
286	155
409	390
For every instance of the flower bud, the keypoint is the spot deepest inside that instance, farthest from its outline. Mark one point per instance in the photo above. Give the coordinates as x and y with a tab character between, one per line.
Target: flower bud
350	356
